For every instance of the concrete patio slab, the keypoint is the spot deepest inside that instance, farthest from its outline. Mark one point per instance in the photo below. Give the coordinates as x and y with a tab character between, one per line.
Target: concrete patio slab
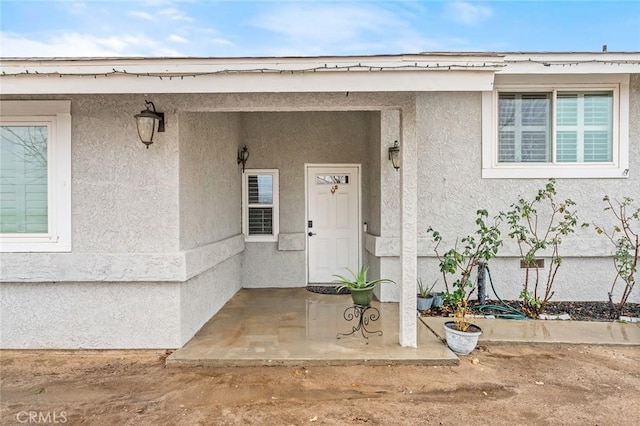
296	327
539	331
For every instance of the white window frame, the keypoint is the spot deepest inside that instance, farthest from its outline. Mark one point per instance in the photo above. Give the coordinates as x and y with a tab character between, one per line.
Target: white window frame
274	173
57	116
617	168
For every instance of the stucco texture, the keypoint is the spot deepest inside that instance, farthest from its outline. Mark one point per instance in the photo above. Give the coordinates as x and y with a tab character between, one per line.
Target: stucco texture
110	168
89	315
451	190
156	243
287	141
170	215
210	179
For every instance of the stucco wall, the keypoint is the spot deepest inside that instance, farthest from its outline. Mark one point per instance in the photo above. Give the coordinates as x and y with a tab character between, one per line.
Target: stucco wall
204	295
89	315
287	141
110	167
451	190
210	197
143	216
389	209
210	179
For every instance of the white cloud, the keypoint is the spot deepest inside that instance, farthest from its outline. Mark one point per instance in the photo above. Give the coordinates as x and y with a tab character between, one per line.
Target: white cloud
142	15
82	45
77	8
353	29
178	39
330	23
220	41
466	13
175	14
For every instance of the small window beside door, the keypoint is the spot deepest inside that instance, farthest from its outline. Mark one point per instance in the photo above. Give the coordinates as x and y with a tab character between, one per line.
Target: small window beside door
260	219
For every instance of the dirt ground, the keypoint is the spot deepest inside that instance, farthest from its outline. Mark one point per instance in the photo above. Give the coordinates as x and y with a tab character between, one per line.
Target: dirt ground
496	385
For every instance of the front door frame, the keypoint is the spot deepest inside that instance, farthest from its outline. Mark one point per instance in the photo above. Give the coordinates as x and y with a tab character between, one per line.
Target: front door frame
307	167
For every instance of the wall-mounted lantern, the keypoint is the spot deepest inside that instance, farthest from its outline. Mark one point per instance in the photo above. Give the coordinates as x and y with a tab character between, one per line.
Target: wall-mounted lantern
394	155
146	123
243	156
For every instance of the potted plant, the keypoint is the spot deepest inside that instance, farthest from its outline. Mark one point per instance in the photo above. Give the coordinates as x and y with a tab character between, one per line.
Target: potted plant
481	246
462	336
425	296
361	289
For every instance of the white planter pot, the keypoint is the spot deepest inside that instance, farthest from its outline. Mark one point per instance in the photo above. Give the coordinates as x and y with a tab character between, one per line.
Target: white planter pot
424	303
462	342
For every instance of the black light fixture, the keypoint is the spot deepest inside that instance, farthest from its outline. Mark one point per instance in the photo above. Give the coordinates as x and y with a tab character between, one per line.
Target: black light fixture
243	156
146	122
394	155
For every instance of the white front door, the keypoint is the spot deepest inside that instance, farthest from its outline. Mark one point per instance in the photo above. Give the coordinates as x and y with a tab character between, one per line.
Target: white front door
333	228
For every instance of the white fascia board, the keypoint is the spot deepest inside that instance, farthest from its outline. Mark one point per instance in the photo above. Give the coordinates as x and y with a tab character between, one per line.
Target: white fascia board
560	80
204	65
423	72
353	81
571	63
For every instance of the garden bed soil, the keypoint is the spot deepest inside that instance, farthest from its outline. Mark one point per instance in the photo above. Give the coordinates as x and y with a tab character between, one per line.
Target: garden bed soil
579	311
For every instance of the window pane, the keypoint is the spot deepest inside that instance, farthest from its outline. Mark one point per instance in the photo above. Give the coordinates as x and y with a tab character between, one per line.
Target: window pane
534	147
332	179
260	221
260	189
584	127
597	109
567	105
23	179
506	109
535	109
597	146
567	150
506	147
524	127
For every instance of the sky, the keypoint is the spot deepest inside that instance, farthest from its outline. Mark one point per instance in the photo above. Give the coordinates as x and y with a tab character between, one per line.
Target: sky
186	28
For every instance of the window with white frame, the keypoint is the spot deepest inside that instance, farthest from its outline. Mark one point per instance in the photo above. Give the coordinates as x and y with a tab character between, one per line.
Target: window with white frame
260	217
35	176
539	131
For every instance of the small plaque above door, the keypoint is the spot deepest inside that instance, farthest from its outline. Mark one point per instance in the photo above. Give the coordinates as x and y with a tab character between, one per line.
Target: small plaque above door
332	179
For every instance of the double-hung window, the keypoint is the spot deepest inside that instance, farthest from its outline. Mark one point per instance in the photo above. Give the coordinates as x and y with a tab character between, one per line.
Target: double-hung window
541	131
260	217
35	176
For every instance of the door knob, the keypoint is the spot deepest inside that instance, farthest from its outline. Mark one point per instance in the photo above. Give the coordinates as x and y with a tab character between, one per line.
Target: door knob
311	234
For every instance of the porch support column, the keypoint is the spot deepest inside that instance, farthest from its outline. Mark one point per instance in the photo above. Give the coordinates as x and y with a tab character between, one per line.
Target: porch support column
408	227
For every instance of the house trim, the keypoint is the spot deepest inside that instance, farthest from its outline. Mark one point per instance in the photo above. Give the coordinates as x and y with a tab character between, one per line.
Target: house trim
453	72
118	267
56	115
618	168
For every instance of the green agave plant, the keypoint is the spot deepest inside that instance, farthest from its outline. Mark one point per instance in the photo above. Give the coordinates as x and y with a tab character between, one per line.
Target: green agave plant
358	281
